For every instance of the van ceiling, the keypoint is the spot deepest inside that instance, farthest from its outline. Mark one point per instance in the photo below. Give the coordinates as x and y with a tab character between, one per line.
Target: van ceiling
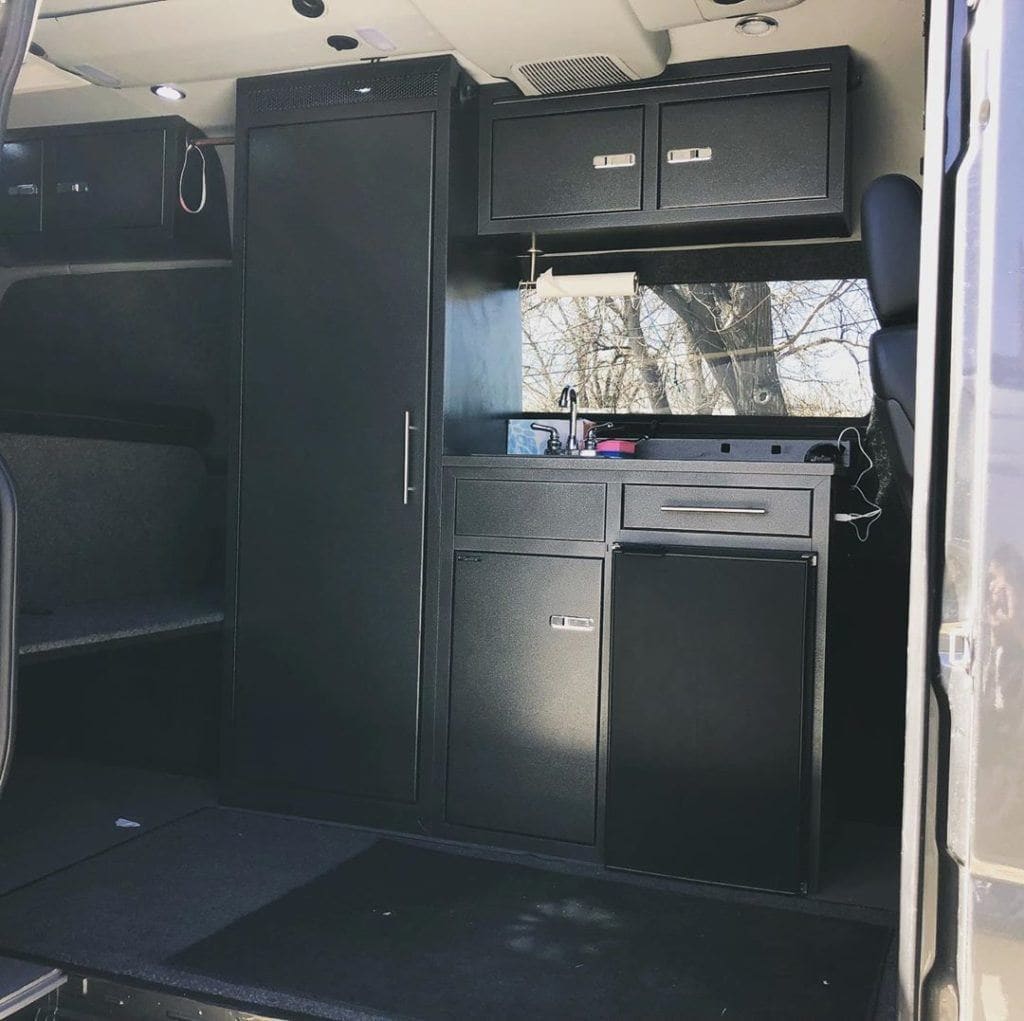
203	46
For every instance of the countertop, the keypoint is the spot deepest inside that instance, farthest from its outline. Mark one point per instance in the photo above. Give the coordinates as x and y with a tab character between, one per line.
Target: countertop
611	464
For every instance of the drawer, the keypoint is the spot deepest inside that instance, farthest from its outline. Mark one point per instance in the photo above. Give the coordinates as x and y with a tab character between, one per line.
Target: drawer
555	165
722	509
735	150
530	510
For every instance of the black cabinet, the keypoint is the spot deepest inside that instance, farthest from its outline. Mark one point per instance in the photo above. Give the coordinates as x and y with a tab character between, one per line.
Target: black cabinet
555	165
709	753
343	273
524	696
97	182
722	150
743	149
331	526
91	192
21	184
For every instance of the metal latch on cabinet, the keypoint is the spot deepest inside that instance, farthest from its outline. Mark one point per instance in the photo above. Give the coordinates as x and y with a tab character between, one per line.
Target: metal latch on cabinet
615	160
562	623
695	155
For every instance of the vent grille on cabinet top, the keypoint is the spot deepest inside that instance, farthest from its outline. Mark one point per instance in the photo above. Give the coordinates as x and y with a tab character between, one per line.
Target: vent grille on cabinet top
341	90
573	73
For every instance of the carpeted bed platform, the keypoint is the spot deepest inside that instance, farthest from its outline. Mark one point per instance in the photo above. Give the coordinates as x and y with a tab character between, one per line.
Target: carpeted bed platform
281	915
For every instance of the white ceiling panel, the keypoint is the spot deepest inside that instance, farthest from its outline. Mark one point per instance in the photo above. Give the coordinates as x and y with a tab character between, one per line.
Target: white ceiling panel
40	76
195	40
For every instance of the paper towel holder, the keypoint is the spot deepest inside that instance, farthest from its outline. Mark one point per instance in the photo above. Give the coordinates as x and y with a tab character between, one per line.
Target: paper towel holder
533	251
628	286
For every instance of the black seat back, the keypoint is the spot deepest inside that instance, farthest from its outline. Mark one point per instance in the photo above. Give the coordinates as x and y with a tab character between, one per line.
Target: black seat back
891	230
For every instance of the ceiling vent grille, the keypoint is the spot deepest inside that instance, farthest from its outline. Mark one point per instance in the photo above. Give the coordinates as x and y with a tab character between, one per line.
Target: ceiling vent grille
571	74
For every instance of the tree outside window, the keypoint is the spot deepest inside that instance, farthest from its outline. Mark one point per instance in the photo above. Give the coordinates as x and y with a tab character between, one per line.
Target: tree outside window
794	348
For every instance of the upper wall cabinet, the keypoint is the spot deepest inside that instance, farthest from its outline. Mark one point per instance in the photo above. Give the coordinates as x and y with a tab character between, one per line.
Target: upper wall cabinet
718	151
109	191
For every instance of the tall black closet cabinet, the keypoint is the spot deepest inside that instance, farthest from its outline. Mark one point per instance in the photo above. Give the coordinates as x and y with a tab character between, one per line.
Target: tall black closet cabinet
342	186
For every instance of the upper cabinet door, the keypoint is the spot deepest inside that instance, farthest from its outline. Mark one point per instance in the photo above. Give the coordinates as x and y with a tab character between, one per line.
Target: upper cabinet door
561	164
103	181
21	177
744	149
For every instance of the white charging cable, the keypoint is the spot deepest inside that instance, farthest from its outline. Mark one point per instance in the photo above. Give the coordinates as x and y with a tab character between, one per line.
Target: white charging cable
189	149
872	515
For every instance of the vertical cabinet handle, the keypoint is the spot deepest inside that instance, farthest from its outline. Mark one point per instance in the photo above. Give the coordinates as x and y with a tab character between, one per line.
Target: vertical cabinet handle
407	489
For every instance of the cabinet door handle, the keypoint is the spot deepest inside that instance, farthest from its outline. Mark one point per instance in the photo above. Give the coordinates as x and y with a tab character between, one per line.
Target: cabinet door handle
615	161
714	510
18	190
407	489
72	187
562	623
699	154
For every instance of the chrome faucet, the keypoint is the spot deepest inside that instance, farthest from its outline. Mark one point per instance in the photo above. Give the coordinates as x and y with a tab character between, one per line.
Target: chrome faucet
569	400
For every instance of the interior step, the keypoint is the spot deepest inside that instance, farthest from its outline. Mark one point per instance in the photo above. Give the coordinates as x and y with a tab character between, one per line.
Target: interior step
22	984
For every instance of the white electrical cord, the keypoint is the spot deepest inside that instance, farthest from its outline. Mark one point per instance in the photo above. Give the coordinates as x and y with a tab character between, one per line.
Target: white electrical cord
190	148
875	513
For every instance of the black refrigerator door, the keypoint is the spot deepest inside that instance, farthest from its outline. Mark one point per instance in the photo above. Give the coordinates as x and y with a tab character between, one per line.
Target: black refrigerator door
709	708
337	295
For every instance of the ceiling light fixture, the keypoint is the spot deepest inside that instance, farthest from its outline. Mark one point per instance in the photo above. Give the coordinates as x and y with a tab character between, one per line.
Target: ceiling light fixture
756	25
377	39
169	92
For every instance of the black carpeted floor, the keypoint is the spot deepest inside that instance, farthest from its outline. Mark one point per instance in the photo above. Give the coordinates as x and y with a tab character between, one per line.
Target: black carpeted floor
55	812
428	934
129	912
281	915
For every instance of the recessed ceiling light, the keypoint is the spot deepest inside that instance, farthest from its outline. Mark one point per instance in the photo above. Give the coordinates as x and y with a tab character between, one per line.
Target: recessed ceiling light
169	92
377	39
756	25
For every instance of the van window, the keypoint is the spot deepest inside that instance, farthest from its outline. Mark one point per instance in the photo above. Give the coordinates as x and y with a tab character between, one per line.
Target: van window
781	348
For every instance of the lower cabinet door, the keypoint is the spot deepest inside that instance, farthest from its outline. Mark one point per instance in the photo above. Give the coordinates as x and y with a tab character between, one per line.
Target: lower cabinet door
525	685
707	757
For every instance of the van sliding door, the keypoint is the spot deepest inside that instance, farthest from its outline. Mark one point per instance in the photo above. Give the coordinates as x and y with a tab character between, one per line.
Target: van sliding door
962	899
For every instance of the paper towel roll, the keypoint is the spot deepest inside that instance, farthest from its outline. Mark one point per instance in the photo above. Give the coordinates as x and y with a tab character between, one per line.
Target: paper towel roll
589	285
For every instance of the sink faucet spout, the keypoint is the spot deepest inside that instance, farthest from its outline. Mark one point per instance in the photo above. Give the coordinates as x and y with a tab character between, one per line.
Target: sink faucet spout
569	400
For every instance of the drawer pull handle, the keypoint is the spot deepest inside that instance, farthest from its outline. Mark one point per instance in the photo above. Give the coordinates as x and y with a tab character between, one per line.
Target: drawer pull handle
72	187
714	510
695	155
561	623
615	161
18	190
